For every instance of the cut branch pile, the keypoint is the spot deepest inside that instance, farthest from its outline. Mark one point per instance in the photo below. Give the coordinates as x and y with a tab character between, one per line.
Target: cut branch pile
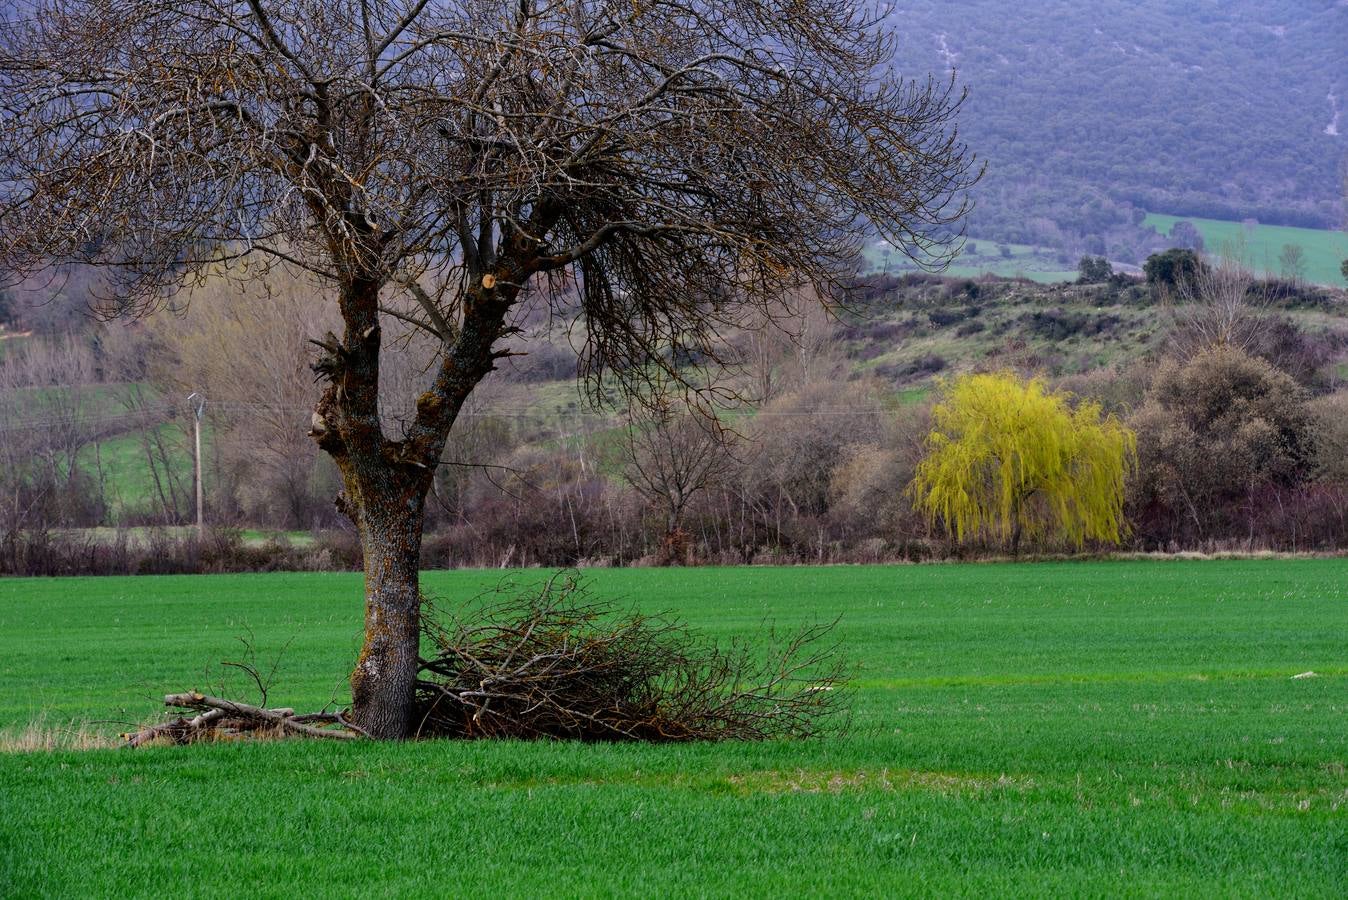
553	662
219	719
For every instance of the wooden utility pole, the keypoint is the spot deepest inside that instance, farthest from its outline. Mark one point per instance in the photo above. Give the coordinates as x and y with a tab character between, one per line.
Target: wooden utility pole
198	409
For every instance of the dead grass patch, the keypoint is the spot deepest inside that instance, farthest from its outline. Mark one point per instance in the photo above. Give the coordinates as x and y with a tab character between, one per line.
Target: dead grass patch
44	736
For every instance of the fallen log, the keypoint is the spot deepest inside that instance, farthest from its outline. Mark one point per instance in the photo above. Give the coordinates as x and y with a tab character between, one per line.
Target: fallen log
218	717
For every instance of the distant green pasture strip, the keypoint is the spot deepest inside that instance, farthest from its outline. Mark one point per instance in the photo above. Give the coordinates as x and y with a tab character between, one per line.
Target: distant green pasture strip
1260	245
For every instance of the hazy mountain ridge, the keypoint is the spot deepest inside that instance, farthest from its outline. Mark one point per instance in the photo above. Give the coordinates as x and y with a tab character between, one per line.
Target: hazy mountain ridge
1086	114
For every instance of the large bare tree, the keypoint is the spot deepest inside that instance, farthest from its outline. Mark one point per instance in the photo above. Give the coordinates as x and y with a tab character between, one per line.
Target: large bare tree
655	163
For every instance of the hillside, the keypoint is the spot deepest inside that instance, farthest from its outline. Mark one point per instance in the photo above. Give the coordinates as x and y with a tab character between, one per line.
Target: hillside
1090	114
923	326
1261	246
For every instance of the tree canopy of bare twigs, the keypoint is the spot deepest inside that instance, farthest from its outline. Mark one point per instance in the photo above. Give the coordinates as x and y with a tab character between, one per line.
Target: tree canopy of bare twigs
439	163
47	394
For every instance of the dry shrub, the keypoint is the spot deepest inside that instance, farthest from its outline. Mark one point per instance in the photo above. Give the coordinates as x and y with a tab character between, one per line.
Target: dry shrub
553	661
1218	432
1330	418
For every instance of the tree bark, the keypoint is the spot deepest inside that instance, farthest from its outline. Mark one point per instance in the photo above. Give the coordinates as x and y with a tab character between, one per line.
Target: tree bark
384	678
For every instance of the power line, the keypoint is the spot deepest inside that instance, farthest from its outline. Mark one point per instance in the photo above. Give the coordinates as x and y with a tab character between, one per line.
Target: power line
169	410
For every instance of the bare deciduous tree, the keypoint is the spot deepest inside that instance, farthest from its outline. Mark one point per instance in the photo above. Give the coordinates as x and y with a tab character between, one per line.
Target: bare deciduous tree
48	421
671	456
1222	305
1292	263
431	158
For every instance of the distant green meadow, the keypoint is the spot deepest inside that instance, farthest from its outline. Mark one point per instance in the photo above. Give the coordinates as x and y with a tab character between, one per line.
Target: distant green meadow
980	257
1084	728
1259	246
128	482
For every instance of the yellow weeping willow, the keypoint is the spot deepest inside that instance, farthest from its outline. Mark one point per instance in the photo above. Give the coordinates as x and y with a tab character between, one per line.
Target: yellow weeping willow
1015	461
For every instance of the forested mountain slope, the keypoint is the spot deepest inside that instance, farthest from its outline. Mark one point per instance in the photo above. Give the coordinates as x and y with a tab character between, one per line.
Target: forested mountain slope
1088	112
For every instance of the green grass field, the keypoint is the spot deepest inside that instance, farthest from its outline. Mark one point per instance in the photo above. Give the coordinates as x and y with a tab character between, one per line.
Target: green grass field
128	481
1074	729
1260	246
981	257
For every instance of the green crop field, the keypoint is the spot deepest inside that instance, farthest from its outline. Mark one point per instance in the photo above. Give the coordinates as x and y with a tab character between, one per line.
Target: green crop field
1073	729
1259	246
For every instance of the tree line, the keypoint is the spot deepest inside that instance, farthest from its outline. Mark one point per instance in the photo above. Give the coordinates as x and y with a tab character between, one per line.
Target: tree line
1232	450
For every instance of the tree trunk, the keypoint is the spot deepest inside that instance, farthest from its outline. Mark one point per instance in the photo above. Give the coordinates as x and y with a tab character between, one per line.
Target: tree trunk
675	547
384	678
384	493
385	483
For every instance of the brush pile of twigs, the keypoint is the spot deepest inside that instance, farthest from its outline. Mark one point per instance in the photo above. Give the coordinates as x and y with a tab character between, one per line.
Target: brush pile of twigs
552	661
